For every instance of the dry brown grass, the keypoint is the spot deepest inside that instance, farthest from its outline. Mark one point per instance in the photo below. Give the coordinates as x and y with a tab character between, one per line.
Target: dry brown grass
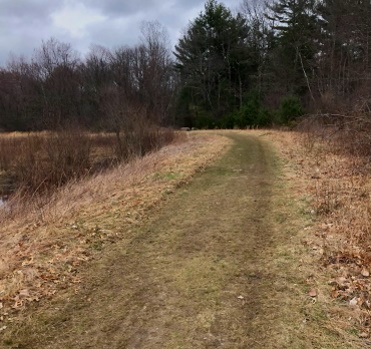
337	184
217	265
36	163
43	245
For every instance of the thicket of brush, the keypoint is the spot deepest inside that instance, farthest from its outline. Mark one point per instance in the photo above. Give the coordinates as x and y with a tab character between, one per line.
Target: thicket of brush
350	135
41	162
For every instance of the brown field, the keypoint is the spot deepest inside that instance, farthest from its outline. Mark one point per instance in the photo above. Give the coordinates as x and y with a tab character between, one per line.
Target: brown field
44	242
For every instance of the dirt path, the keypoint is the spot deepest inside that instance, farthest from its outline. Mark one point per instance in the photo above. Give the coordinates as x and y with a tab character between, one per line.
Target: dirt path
214	267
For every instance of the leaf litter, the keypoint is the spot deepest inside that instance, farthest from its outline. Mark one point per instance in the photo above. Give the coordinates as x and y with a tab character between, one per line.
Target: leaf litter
338	189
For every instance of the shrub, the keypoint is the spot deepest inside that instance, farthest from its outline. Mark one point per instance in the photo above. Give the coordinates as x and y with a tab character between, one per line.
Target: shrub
229	121
290	109
205	121
41	162
252	112
48	161
264	117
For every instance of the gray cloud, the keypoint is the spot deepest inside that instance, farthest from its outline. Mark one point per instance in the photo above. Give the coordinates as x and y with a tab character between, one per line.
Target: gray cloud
28	10
114	8
25	23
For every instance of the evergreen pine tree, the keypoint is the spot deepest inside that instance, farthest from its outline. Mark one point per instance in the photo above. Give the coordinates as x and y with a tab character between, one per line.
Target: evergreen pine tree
214	64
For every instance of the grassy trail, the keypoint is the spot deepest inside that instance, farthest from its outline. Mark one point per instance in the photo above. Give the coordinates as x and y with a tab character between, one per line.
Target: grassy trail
215	267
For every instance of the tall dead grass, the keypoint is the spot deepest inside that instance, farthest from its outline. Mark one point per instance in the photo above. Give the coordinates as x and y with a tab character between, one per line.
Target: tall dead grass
39	163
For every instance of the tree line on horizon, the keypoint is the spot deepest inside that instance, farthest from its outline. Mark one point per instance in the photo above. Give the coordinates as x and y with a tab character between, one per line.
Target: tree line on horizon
107	90
265	64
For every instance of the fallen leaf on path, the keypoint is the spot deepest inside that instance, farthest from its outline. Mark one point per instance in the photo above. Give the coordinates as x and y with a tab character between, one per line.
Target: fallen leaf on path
353	302
365	273
24	293
341	280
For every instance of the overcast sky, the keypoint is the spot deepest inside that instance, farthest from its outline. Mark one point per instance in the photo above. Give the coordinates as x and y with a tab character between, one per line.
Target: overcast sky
111	23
